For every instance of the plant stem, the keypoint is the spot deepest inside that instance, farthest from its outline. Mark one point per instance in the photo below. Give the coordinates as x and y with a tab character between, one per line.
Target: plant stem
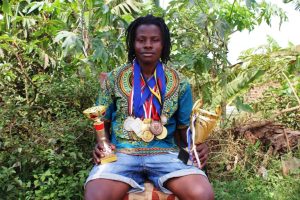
291	86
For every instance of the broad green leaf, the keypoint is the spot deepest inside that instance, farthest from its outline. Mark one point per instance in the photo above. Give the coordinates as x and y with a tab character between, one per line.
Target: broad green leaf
35	5
9	187
241	106
70	40
6	8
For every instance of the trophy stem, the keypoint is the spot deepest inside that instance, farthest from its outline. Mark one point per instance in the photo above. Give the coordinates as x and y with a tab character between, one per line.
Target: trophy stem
94	113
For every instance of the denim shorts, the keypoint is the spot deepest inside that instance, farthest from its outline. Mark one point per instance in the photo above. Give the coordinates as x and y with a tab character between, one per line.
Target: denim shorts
135	170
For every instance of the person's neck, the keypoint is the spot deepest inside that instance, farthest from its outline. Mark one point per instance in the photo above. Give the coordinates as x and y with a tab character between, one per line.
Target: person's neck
147	70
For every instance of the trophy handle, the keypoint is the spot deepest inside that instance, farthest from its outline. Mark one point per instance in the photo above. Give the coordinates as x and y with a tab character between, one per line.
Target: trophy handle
197	105
203	121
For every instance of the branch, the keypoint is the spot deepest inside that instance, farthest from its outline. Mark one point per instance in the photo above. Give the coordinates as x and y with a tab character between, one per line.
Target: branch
22	66
27	78
285	111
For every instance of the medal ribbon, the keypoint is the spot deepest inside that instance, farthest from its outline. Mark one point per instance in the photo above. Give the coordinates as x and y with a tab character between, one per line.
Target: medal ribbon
149	92
153	91
148	108
140	95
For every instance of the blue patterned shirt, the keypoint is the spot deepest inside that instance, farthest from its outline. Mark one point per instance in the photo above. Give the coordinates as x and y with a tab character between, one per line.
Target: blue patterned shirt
177	108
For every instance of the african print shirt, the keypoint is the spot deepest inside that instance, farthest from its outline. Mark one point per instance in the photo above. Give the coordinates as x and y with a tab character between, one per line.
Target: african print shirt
177	108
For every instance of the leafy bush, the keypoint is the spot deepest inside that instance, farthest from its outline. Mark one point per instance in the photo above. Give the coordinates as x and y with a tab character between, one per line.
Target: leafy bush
50	55
45	148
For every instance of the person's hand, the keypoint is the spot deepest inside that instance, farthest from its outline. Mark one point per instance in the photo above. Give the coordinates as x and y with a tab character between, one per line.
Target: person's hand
99	151
202	150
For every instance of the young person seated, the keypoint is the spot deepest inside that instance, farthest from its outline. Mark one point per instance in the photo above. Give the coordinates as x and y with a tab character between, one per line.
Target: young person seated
149	104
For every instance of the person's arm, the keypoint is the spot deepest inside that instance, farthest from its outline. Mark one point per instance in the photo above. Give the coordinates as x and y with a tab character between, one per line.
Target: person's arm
202	149
181	137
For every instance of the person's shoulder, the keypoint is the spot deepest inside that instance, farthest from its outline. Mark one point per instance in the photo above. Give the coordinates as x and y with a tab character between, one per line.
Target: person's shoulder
178	81
182	79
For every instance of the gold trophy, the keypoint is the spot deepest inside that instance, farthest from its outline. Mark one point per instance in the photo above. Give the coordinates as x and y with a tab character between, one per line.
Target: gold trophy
204	121
94	113
202	124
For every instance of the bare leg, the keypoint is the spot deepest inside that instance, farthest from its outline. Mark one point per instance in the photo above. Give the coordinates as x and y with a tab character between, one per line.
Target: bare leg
191	187
105	189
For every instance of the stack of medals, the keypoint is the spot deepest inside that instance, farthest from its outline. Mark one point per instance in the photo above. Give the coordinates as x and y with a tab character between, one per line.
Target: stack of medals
147	129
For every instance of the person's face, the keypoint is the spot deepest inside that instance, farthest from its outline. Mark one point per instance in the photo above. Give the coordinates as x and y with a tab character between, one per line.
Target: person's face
148	44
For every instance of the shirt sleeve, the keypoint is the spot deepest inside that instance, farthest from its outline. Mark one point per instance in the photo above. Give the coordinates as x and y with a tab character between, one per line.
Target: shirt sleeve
185	106
106	97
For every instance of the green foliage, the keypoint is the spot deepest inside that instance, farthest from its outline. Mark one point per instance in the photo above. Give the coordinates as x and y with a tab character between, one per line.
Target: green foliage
278	99
45	148
295	2
200	44
51	53
252	174
275	63
275	187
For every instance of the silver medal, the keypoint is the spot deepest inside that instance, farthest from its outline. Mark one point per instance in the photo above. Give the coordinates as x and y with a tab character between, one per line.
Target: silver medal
127	123
136	126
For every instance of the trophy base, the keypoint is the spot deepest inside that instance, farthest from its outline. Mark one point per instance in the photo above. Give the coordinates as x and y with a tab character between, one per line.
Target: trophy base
109	159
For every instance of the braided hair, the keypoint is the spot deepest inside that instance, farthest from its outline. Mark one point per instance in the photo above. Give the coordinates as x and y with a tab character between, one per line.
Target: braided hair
148	20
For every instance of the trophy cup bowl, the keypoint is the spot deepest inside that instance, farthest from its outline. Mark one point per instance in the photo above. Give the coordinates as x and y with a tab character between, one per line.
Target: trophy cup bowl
95	113
205	121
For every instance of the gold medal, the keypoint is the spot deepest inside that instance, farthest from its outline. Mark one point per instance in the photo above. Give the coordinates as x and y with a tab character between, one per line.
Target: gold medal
147	120
163	134
147	136
127	123
156	127
145	127
163	119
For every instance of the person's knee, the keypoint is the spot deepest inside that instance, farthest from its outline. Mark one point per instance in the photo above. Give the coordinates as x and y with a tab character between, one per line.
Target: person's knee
94	194
201	193
105	190
94	190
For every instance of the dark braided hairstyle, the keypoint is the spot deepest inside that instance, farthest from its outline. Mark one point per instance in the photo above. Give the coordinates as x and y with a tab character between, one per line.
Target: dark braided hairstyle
148	20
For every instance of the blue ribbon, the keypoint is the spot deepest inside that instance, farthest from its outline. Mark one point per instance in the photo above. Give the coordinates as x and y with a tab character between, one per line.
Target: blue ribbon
161	81
137	88
138	99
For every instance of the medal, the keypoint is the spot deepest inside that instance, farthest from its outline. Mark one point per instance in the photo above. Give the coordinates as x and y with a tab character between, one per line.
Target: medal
136	126
147	136
147	120
145	127
163	134
127	123
163	119
156	128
